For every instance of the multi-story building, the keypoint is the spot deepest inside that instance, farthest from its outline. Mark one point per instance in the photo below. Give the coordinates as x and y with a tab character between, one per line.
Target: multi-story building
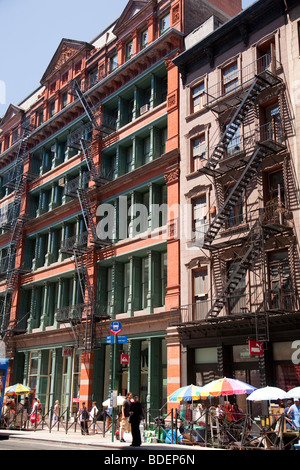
239	184
97	140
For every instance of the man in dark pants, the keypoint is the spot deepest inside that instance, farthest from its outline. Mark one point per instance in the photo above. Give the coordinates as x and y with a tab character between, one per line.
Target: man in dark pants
136	414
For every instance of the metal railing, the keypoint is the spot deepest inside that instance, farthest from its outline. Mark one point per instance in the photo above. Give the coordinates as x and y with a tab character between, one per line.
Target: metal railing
241	304
205	425
240	77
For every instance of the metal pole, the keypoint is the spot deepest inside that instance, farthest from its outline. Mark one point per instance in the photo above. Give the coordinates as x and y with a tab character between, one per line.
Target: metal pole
113	388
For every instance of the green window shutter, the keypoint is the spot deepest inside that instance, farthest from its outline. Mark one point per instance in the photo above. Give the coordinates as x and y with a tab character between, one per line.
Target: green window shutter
137	288
118	282
156	279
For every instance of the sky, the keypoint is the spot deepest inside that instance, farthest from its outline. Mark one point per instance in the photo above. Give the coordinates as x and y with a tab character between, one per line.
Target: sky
31	30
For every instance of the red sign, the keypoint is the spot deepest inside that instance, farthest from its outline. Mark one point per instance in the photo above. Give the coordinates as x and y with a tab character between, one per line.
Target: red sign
256	348
124	358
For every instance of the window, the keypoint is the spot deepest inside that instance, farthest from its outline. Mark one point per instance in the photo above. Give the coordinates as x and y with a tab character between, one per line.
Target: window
144	39
200	291
237	301
15	134
274	197
52	108
165	23
299	36
147	149
235	216
145	281
52	87
129	159
77	67
234	145
198	152
113	62
199	218
93	78
128	50
230	78
64	99
266	54
197	97
64	77
280	283
39	117
126	285
272	130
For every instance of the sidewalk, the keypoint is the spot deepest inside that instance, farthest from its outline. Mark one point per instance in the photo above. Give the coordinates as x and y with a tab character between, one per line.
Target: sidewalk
98	440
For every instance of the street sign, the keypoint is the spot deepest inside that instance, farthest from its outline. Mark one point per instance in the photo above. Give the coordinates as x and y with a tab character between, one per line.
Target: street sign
125	359
256	348
115	327
109	339
113	398
122	339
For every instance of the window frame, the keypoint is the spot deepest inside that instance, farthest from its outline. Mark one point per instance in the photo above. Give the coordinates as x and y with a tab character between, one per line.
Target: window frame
144	44
195	96
128	45
163	28
233	77
197	157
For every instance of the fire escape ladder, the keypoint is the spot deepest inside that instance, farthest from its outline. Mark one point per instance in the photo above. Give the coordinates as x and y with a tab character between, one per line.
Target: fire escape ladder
87	324
89	160
247	174
256	237
15	226
87	216
76	90
258	85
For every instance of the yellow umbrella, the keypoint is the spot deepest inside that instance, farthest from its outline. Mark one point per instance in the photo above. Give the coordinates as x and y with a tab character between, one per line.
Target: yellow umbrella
18	389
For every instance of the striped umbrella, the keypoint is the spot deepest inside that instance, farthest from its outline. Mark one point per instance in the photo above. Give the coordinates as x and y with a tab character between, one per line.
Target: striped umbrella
226	386
18	389
187	393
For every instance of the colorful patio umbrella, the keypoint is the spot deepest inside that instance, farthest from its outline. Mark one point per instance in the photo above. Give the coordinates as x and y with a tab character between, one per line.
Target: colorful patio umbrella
18	389
267	393
293	393
225	387
187	393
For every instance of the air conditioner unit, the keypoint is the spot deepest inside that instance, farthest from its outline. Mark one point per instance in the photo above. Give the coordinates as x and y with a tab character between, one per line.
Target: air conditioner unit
144	109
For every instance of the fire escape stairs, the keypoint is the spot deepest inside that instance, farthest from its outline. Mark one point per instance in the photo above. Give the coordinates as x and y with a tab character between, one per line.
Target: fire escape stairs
250	170
261	81
15	225
252	251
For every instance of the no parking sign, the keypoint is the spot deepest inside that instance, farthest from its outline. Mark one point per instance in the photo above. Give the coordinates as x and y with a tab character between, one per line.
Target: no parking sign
115	327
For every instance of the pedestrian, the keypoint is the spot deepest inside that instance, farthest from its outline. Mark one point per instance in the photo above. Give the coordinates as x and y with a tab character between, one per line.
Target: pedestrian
26	408
34	417
125	425
93	415
39	408
56	413
294	412
108	418
136	414
84	419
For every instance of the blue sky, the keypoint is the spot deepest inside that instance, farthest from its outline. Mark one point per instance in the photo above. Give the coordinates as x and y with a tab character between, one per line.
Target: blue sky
31	30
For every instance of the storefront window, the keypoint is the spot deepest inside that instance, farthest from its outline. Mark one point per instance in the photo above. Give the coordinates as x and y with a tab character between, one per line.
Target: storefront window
287	371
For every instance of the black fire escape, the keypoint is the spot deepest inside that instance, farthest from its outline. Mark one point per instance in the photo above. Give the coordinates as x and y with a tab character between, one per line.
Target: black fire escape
12	221
265	144
84	317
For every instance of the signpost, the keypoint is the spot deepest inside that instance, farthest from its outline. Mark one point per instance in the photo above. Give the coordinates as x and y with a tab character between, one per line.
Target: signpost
115	328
